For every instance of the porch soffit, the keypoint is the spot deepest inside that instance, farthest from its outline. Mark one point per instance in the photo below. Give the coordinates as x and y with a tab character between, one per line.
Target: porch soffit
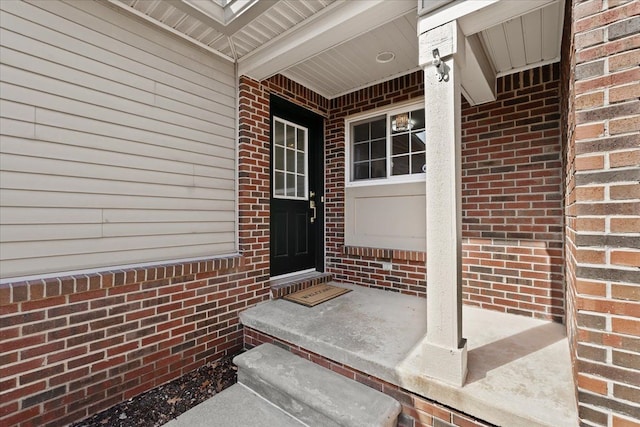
330	46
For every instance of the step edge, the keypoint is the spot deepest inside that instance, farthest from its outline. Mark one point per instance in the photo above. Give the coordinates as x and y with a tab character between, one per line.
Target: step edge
391	407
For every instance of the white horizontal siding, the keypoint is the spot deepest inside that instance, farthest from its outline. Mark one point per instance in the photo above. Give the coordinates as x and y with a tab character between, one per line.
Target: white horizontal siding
117	142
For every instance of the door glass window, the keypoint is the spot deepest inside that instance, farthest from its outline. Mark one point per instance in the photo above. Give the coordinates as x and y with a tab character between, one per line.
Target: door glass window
290	145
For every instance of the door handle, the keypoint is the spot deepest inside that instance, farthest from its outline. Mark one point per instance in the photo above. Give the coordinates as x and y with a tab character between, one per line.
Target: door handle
312	206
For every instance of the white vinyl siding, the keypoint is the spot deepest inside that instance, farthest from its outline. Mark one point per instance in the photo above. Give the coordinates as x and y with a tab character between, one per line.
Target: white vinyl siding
117	142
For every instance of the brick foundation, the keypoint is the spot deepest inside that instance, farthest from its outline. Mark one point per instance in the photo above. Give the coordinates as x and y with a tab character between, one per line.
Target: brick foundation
416	410
364	266
74	346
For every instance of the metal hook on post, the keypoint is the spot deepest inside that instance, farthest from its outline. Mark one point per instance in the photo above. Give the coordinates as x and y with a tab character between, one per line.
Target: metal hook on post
441	67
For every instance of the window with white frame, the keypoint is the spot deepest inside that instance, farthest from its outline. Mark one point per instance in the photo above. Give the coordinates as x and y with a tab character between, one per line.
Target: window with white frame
387	146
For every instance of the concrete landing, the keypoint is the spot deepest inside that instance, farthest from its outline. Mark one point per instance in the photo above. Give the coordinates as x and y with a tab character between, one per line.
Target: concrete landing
519	368
235	406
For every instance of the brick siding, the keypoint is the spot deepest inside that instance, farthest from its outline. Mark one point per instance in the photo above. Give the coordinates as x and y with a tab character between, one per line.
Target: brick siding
363	266
74	346
602	169
416	410
512	197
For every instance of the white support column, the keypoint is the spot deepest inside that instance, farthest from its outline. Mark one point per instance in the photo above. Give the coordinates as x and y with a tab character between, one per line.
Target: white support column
445	351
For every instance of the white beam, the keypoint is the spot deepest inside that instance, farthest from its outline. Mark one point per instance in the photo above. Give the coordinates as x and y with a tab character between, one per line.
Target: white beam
334	25
451	12
478	15
478	75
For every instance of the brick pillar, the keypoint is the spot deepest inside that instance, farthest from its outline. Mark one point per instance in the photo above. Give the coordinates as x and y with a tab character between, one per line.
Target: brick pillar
253	174
603	209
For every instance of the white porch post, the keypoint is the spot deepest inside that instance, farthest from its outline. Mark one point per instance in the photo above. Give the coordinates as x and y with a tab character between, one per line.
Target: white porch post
445	349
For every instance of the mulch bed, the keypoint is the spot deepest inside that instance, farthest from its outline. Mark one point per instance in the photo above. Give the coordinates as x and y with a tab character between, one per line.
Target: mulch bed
162	404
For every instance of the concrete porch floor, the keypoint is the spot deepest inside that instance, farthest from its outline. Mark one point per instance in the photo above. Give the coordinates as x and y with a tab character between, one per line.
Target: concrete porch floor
519	368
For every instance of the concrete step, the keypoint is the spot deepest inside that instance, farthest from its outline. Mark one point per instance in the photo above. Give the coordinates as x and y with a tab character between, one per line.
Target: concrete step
235	406
290	284
313	394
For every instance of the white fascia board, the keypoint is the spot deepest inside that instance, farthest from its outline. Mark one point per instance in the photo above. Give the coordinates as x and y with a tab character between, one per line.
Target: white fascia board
478	15
451	12
498	13
332	26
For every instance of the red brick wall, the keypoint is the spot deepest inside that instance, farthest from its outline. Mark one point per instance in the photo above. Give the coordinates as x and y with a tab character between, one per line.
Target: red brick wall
603	210
416	410
73	346
567	65
512	197
363	266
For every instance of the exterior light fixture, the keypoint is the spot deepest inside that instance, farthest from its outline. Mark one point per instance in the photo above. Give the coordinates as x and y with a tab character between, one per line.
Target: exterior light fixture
401	122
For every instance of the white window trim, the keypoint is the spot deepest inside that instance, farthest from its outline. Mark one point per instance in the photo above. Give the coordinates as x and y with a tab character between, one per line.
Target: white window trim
389	111
306	163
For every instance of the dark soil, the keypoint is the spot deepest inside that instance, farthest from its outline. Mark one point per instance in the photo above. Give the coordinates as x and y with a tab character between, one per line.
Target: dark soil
164	403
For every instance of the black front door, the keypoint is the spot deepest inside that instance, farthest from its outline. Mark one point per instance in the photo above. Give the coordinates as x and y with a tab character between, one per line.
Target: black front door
297	189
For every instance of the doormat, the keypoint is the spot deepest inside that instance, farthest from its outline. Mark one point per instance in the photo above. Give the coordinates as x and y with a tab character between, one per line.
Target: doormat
316	294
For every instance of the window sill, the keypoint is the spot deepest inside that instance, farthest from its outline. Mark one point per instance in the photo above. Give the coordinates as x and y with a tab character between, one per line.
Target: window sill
421	177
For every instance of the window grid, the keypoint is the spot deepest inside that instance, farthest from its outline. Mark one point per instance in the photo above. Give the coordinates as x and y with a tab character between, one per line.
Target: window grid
408	146
370	149
380	150
290	180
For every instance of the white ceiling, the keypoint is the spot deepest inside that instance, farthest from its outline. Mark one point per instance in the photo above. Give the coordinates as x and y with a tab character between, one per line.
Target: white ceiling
353	64
334	61
525	41
203	21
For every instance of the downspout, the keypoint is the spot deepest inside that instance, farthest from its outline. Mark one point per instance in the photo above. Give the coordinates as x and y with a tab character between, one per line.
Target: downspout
237	149
237	155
